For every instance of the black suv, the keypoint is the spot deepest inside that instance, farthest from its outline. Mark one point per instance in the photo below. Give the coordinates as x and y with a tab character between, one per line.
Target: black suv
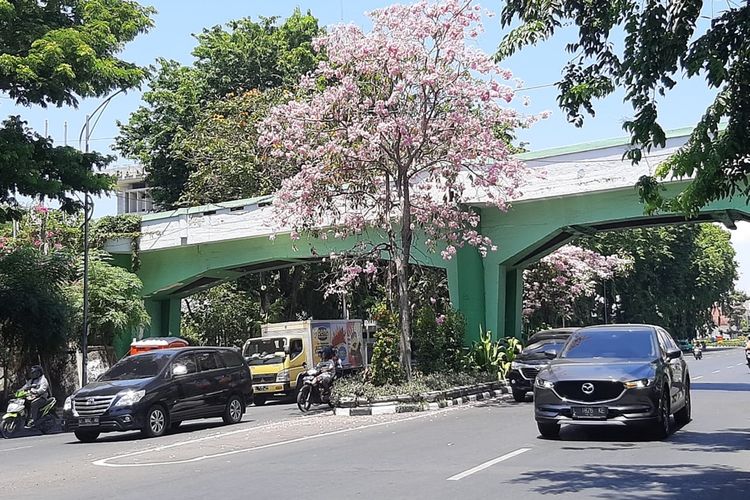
533	358
614	375
157	390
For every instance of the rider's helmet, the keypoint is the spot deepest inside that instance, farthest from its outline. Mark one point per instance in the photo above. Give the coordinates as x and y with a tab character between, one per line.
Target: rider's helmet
327	353
35	372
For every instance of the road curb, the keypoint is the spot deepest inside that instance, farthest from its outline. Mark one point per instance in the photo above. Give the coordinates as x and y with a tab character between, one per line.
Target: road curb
388	409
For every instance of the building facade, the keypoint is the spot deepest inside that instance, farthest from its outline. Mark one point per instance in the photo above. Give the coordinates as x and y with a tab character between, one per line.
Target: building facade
133	195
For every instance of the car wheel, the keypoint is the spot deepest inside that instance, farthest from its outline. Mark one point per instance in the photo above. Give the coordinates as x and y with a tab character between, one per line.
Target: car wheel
233	411
173	426
683	416
259	399
663	425
549	431
86	436
519	396
157	422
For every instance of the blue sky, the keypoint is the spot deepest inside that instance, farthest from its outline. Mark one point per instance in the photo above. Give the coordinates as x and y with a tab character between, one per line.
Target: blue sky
537	66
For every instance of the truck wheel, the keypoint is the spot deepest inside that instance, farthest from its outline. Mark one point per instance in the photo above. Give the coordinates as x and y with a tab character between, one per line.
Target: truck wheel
259	399
86	436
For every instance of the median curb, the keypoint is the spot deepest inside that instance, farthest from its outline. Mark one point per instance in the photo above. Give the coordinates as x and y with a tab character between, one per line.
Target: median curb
396	407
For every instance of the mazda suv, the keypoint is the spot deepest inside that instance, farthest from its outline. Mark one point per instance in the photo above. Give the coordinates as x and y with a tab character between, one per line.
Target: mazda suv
627	375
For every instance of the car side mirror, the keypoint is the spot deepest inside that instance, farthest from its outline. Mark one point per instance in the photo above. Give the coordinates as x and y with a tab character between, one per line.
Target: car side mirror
179	370
551	354
674	354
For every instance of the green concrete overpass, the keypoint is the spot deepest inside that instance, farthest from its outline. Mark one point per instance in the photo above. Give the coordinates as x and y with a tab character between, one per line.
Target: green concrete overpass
572	191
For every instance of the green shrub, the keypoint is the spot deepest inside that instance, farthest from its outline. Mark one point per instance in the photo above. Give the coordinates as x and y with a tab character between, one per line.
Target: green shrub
385	367
438	343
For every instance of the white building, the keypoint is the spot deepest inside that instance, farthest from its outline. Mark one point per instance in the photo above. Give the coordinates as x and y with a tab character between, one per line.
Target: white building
132	193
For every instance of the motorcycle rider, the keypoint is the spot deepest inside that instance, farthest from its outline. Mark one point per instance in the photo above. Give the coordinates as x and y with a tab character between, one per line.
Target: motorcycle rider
37	388
327	369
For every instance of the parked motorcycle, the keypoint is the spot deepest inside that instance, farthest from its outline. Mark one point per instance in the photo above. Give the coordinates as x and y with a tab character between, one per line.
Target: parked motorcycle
697	352
747	357
16	416
311	391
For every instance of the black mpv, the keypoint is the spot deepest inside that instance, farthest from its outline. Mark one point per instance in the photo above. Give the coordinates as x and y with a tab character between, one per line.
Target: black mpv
614	375
533	358
157	390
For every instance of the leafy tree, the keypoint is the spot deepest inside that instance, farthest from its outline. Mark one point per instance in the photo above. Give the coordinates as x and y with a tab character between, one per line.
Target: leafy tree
662	39
385	143
231	61
54	53
679	273
34	310
566	286
223	315
116	309
223	154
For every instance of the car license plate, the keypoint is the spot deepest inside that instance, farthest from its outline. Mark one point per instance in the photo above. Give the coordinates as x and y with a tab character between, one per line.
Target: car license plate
589	412
83	422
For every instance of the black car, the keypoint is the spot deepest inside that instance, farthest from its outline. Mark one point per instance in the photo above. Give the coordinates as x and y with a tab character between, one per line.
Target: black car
157	390
533	358
614	375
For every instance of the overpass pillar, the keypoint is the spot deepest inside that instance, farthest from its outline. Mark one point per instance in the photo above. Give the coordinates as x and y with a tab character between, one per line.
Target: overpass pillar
466	283
165	317
503	290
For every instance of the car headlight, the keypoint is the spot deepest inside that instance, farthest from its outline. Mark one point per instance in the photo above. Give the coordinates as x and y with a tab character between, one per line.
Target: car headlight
638	384
544	384
283	376
130	397
68	405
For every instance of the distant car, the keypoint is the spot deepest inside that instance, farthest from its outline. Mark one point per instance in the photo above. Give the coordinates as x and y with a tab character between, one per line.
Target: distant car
157	390
685	345
533	358
151	343
614	374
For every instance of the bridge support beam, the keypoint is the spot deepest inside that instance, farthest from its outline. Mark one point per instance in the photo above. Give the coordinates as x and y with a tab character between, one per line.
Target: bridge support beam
466	284
503	288
165	317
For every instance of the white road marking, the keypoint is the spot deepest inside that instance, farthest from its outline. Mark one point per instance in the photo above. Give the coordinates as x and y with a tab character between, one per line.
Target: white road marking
698	377
104	462
17	448
730	366
487	464
716	371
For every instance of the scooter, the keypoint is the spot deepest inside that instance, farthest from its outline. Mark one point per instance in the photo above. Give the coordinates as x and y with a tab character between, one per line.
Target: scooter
697	352
747	357
15	416
312	393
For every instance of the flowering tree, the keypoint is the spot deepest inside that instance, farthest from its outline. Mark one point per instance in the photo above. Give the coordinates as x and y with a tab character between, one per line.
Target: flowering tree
553	286
391	134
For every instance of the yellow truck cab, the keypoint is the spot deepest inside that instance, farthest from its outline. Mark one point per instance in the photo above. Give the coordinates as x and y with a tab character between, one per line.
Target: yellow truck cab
281	355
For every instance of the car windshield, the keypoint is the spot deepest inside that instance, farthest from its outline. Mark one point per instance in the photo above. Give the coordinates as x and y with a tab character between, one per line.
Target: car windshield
620	343
544	345
264	351
145	365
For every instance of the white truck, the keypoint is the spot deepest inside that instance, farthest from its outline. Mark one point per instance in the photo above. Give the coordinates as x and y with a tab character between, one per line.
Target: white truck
281	355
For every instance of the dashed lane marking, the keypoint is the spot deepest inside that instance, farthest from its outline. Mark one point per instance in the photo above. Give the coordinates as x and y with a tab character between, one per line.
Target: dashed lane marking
487	464
716	371
16	448
697	378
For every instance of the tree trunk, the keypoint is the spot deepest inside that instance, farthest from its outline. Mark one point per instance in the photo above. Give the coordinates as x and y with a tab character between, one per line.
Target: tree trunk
402	276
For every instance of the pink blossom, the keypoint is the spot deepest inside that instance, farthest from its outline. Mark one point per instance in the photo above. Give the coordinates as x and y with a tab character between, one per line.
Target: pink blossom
440	319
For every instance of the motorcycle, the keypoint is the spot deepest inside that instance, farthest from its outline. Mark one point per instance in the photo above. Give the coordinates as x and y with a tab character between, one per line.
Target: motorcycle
15	416
747	357
311	391
697	352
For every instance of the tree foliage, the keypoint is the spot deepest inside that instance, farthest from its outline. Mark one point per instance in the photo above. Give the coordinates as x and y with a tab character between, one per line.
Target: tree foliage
223	154
389	132
679	273
229	62
55	53
663	40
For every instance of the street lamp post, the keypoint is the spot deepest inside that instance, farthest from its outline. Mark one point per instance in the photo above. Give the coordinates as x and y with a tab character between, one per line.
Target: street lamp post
88	212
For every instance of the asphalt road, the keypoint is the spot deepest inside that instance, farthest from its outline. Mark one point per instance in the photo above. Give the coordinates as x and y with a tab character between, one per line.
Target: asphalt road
486	450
